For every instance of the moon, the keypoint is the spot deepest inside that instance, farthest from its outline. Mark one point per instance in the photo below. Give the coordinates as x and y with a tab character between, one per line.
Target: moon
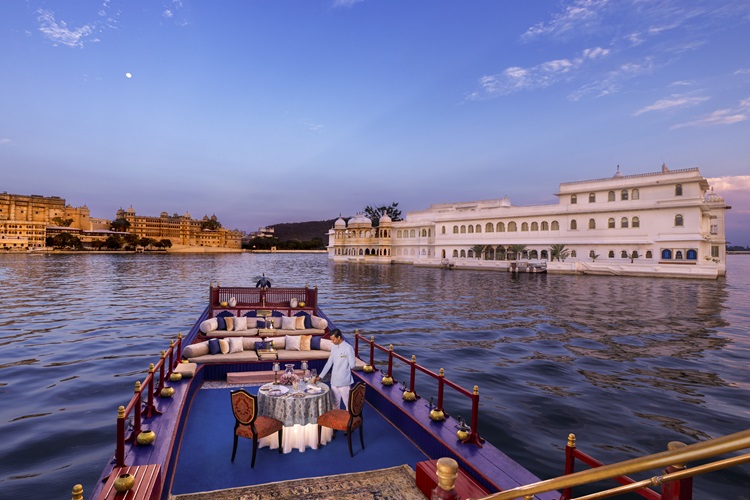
128	75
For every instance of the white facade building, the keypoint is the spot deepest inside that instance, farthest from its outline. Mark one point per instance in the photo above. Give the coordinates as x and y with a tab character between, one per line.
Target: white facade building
667	223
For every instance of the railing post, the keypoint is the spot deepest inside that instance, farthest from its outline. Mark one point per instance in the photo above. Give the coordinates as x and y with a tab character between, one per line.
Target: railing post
356	343
390	360
677	490
136	413
441	387
447	471
161	373
179	350
120	445
570	459
171	358
474	436
372	351
150	406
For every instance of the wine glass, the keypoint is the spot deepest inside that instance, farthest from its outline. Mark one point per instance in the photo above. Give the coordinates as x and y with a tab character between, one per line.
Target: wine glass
313	374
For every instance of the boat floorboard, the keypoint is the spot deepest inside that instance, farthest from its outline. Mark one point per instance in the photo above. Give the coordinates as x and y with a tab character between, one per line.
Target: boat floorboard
204	461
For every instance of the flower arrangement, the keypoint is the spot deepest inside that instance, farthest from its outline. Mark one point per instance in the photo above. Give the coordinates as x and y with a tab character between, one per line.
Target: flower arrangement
288	378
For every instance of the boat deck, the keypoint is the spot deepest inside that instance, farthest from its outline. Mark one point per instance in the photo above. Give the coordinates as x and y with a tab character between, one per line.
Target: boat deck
204	460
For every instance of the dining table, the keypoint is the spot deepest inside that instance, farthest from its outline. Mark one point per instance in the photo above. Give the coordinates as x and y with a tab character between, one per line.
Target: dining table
298	409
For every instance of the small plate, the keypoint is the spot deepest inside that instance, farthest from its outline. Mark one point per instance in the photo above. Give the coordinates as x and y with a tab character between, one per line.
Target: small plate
298	395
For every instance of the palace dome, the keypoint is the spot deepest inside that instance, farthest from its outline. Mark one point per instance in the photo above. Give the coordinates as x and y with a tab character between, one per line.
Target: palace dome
712	197
340	223
385	218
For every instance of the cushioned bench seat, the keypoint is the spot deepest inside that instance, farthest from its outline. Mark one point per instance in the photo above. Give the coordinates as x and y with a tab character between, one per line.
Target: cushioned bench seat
252	332
235	357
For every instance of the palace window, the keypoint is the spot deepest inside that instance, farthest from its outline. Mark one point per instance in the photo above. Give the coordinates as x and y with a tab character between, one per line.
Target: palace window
555	225
624	195
592	224
489	227
624	222
715	251
463	253
611	254
591	253
545	255
678	255
479	228
398	233
443	231
666	254
573	254
412	233
611	223
636	222
524	226
573	199
678	190
471	229
455	229
692	254
611	196
649	254
512	227
424	233
455	253
678	220
535	226
573	225
635	195
463	229
501	227
545	226
592	197
624	254
533	254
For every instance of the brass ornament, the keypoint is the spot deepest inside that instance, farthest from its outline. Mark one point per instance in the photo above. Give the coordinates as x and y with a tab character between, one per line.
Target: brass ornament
146	437
386	380
124	482
368	369
462	434
167	392
409	396
175	377
437	415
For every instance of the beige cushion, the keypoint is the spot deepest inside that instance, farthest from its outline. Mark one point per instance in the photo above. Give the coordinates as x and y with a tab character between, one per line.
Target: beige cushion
224	346
318	322
300	323
187	370
193	350
326	345
278	342
236	344
304	342
230	323
209	325
292	343
290	323
240	323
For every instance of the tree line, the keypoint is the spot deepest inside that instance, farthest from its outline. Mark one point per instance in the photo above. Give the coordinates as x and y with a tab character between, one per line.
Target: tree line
66	241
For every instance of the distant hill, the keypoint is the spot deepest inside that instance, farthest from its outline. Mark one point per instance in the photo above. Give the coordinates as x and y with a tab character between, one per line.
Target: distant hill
303	231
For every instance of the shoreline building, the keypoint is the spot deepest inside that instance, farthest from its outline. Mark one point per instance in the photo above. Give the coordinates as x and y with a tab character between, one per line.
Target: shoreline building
180	230
668	223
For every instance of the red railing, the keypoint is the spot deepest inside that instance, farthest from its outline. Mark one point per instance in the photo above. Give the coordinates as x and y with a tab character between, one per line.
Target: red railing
442	382
262	297
674	490
166	366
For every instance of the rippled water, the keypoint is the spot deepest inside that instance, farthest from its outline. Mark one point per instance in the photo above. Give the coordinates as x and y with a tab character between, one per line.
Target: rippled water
627	364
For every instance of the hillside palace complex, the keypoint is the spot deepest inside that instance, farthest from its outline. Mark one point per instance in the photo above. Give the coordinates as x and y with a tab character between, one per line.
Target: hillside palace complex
665	223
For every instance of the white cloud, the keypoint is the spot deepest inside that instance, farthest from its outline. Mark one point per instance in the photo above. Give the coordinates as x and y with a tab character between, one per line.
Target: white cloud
4	141
611	81
718	117
730	183
167	13
515	78
742	71
674	101
59	32
579	12
345	3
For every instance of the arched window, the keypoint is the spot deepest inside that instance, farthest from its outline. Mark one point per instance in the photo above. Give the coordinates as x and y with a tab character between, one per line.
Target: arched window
463	229
413	233
624	254
470	254
573	254
535	226
678	255
592	253
463	253
545	255
635	195
573	225
471	228
592	197
455	253
678	220
592	224
443	232
442	253
424	233
360	251
678	190
573	199
611	223
555	225
636	222
533	254
490	227
649	255
512	226
500	227
611	196
611	254
624	195
692	254
398	233
524	226
545	226
624	222
455	229
479	228
666	254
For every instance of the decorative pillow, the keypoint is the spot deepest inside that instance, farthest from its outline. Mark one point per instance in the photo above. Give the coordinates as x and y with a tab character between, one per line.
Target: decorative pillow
240	323
276	320
288	323
277	314
261	323
224	346
304	342
326	345
318	322
230	323
300	323
209	325
251	314
222	325
315	342
292	343
278	342
213	346
195	350
235	344
261	345
308	320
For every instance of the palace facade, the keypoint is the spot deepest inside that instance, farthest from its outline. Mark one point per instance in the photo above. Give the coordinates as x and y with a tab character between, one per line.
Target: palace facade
665	223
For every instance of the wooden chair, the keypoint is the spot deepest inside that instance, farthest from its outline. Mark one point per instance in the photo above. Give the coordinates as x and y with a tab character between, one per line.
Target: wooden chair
343	420
249	424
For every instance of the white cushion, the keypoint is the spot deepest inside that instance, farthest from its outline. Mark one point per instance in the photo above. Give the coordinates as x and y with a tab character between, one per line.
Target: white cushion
318	322
289	323
195	350
292	343
240	323
209	325
326	345
278	342
224	346
236	345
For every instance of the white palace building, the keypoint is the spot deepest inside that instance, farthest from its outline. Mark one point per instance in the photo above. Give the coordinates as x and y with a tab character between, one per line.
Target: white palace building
668	223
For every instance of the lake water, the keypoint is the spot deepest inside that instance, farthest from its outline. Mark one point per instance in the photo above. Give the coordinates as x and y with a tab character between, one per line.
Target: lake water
627	364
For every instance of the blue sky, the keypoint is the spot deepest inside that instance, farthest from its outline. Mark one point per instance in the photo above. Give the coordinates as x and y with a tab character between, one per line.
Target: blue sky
280	111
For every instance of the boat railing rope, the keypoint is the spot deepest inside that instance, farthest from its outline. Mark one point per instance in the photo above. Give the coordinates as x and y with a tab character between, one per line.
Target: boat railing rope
673	460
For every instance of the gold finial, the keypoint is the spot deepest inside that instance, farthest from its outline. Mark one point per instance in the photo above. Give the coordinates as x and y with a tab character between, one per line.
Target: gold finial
571	440
78	492
137	386
164	354
171	344
447	471
442	372
121	412
356	331
476	390
179	335
390	347
413	358
218	284
372	338
528	497
151	368
676	445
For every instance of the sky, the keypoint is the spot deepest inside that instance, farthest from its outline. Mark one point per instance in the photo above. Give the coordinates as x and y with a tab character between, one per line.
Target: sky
263	112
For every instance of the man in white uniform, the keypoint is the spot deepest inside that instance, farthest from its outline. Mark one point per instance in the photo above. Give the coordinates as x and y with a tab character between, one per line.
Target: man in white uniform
341	362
